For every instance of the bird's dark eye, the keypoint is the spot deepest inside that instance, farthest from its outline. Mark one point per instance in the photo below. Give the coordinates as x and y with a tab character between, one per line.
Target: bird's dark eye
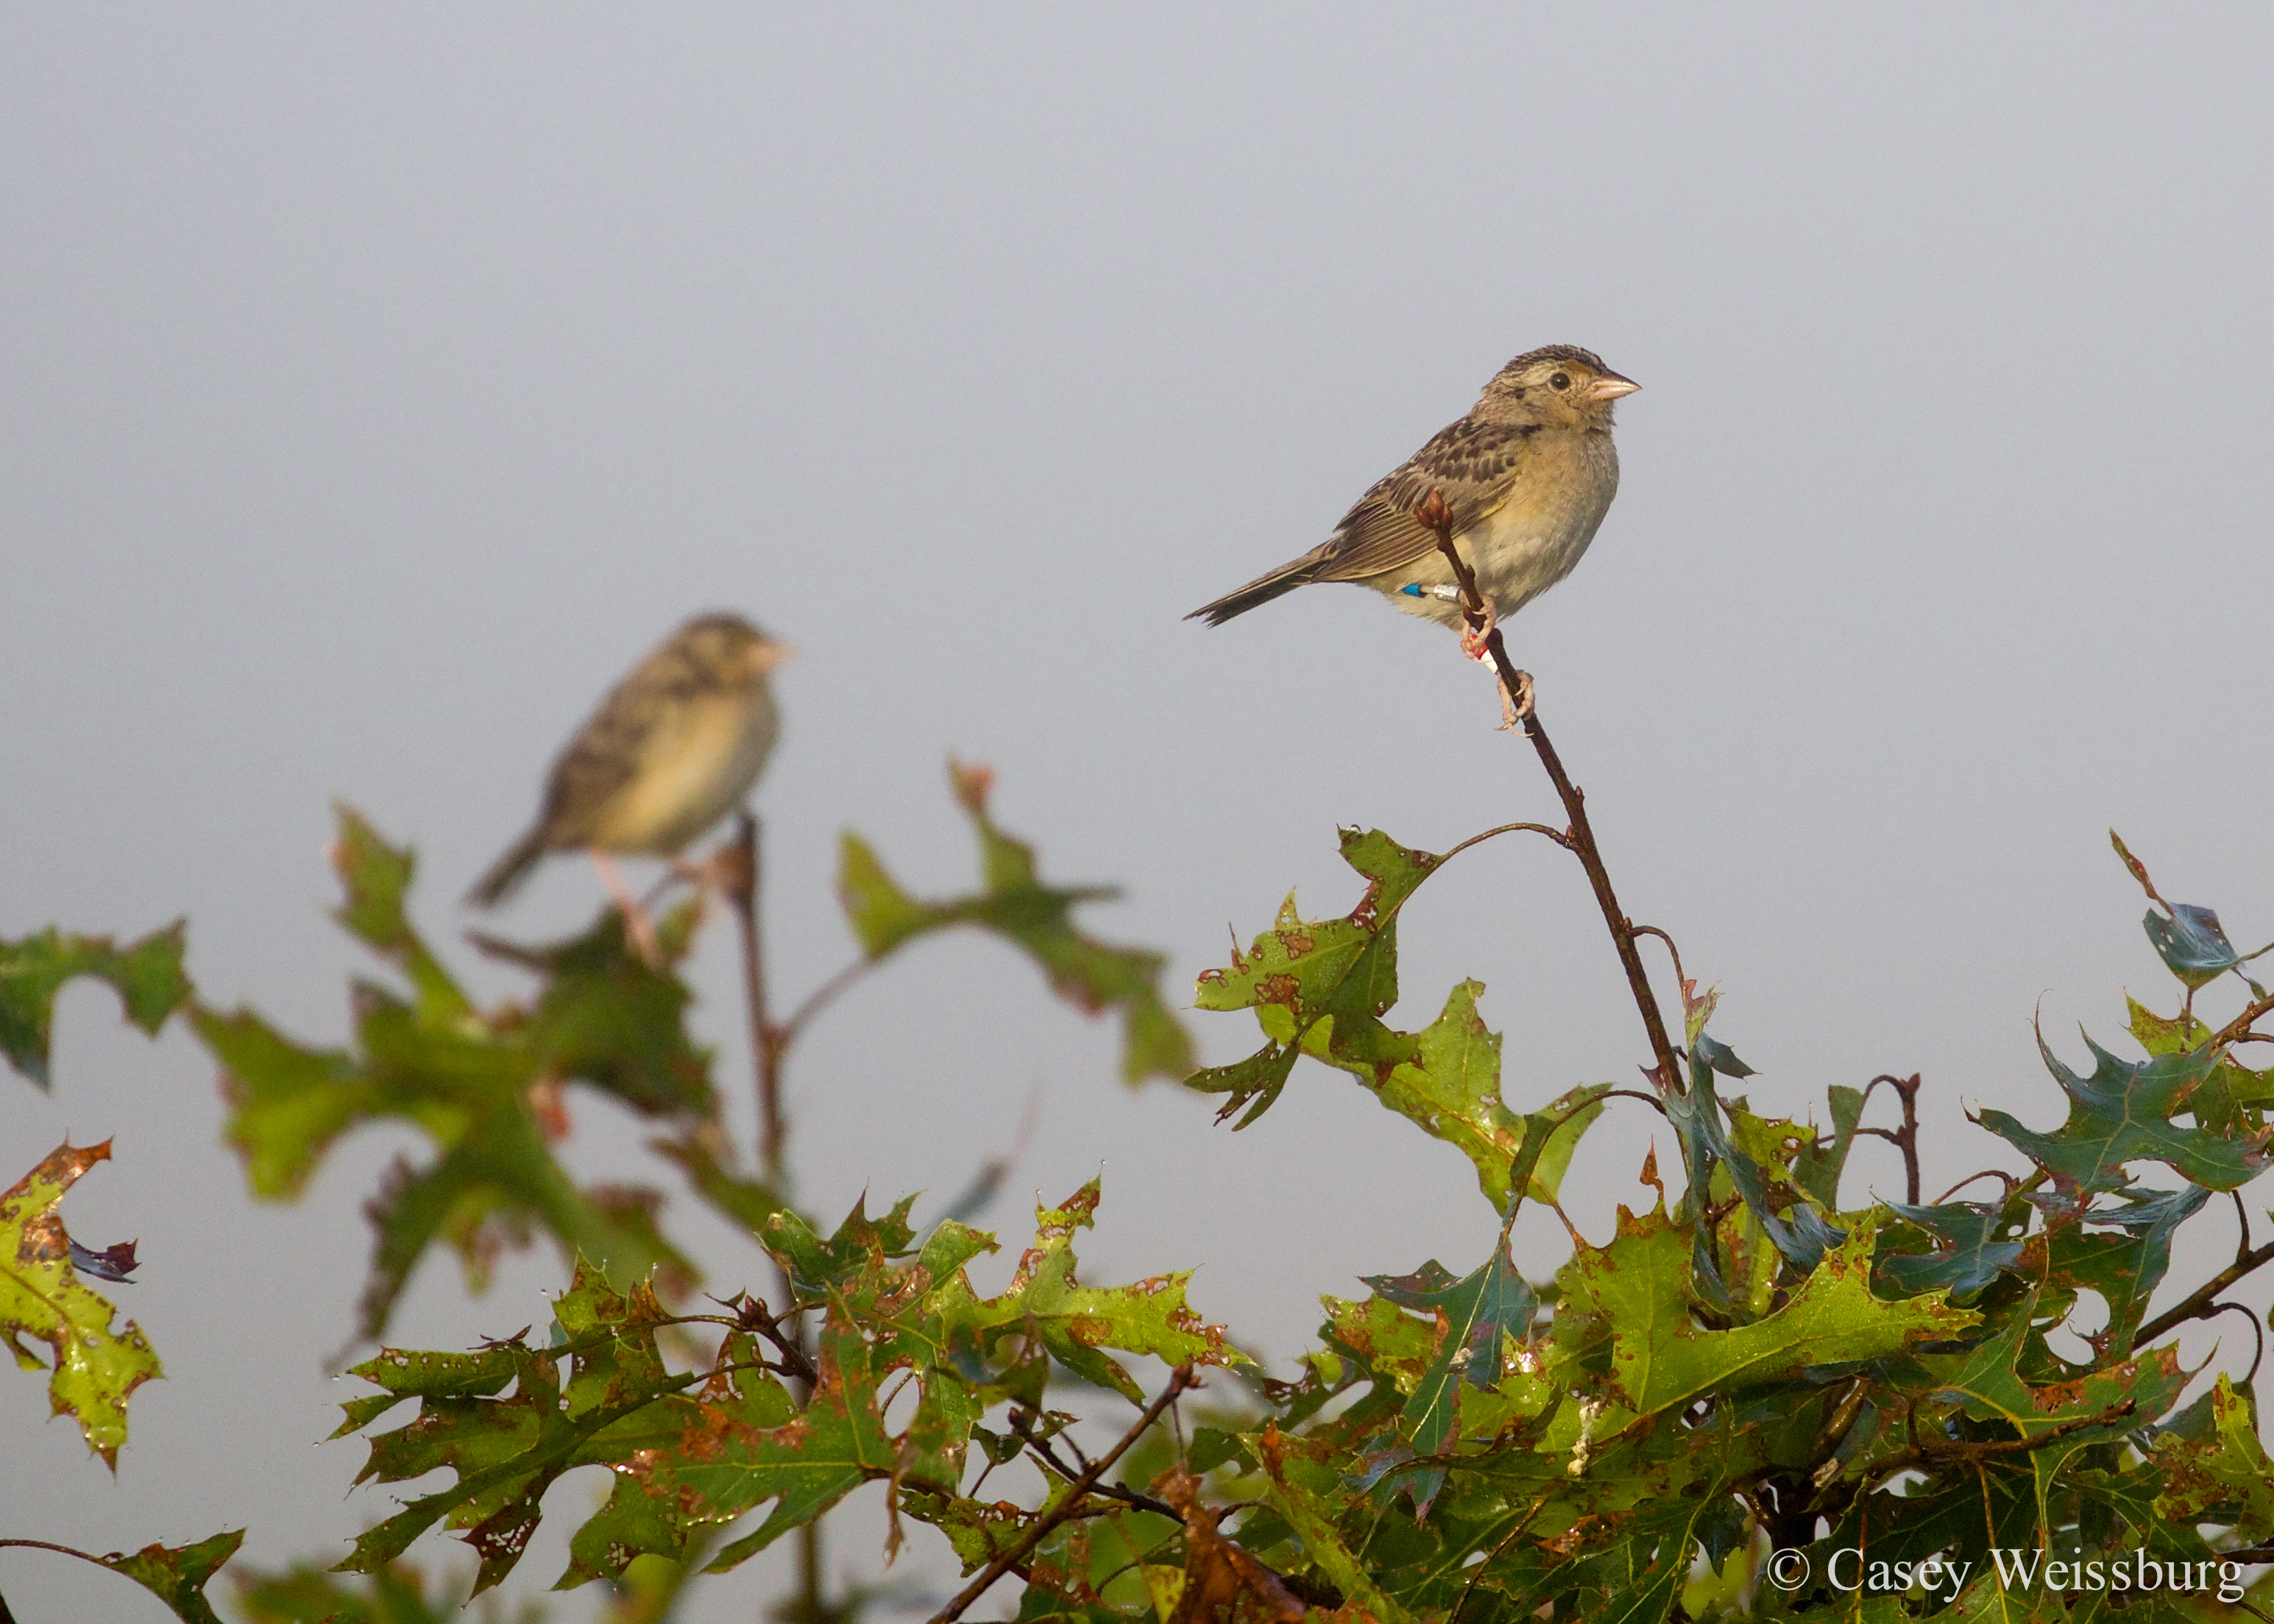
1562	380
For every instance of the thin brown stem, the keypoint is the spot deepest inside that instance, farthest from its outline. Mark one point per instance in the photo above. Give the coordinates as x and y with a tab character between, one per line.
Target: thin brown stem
1681	979
2203	1301
752	1315
1022	1427
2238	1029
1651	1100
1069	1504
42	1545
2014	1186
1437	518
741	879
1919	1457
741	871
1904	1139
1556	835
815	1001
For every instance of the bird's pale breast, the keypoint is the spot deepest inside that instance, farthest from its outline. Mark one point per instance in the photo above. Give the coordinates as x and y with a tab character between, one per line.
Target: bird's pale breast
1531	541
693	769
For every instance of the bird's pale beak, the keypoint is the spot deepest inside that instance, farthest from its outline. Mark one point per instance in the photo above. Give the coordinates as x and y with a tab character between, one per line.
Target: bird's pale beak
1610	386
770	654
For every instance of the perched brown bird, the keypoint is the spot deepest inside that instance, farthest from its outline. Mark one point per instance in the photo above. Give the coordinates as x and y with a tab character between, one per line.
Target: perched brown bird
672	748
1528	476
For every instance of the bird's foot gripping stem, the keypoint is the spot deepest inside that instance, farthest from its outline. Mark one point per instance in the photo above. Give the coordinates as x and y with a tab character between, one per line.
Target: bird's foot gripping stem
639	926
1515	709
1476	640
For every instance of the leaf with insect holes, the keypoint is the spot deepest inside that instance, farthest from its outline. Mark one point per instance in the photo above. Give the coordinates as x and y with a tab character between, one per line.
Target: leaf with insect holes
2121	1113
1015	905
507	1447
147	976
2233	1098
1321	987
1311	1517
693	1453
893	1305
1987	1382
945	1320
93	1369
2192	943
2227	1477
1636	1291
483	1087
2190	940
1967	1252
2124	1267
1475	1314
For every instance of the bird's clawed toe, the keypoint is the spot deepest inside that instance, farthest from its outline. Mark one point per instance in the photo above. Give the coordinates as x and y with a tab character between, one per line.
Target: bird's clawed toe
1515	709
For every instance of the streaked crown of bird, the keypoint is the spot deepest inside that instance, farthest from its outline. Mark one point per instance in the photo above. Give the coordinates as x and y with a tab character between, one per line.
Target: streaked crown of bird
1527	477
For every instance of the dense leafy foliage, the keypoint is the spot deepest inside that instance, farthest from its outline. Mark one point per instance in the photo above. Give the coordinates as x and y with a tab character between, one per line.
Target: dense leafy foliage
1761	1384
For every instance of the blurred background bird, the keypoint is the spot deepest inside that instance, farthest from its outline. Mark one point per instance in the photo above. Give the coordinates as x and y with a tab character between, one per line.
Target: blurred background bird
672	749
1527	476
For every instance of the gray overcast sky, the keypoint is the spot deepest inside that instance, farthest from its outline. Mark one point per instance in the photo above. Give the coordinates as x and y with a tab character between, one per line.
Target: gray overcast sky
379	382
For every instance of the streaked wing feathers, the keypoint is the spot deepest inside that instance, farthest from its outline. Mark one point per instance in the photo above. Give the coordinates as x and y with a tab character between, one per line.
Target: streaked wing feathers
1473	464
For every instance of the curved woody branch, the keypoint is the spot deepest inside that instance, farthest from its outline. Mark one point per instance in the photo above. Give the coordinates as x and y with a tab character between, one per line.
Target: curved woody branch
1436	517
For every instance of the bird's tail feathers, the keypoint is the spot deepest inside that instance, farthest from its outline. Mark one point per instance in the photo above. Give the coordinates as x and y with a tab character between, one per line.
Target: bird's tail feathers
507	874
1262	590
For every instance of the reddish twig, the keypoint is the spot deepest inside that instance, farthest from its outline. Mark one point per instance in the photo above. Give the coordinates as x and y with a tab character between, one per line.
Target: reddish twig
1077	1491
1904	1139
739	869
2239	1029
2202	1303
738	866
1437	518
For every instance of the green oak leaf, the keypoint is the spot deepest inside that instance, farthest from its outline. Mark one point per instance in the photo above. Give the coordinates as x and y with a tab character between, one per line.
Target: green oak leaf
484	1088
1075	1323
1015	905
1818	1168
2233	1099
1755	1155
1310	1514
1967	1254
147	976
176	1575
890	1307
1475	1314
2125	1268
2123	1112
1319	987
1988	1383
727	1462
1322	986
2228	1473
2192	943
505	1423
693	1453
1636	1288
93	1369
